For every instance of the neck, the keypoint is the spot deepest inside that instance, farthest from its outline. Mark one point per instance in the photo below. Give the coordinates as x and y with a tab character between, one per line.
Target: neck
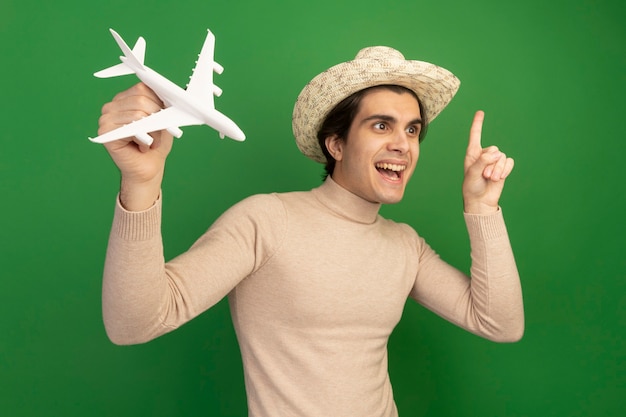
346	204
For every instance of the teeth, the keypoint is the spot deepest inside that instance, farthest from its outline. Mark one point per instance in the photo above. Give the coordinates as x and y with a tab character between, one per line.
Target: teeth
392	167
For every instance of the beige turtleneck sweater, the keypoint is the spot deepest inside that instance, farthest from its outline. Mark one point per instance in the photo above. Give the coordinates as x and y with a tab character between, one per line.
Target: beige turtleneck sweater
316	282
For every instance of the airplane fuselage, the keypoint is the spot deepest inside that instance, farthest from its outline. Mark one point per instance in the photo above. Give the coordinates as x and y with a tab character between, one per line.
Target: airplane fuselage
171	93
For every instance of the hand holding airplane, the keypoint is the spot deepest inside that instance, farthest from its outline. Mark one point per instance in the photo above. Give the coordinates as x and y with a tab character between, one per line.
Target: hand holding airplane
193	106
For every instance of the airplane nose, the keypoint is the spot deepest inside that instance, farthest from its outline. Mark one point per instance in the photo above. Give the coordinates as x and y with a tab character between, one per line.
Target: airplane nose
239	135
235	132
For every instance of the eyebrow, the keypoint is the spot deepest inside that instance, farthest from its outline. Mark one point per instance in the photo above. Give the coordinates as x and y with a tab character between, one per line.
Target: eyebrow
387	118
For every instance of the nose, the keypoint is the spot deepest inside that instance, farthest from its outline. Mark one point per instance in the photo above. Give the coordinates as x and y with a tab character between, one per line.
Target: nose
399	142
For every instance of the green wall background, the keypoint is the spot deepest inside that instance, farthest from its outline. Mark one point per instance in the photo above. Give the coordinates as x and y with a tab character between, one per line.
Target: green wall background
551	76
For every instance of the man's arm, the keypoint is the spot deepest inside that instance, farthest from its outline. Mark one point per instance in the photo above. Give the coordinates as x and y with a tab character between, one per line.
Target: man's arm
143	296
133	282
495	289
490	302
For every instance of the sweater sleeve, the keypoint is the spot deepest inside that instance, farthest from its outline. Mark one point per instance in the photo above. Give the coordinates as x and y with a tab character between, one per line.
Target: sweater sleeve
489	303
144	297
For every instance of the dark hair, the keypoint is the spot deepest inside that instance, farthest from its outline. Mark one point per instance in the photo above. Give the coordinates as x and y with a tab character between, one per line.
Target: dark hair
340	118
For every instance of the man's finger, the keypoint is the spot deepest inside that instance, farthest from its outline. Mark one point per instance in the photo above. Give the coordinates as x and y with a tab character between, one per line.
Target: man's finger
498	168
476	130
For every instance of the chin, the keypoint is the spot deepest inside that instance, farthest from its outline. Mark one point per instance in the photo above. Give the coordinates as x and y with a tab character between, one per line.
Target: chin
390	199
387	193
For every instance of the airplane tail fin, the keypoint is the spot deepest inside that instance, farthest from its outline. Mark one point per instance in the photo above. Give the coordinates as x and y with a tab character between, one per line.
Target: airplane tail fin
131	61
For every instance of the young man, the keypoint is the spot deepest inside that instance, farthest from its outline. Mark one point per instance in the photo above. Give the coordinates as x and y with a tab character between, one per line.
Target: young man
317	280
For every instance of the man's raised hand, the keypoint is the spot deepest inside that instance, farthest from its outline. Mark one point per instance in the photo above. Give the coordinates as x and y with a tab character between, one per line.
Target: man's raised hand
141	166
486	170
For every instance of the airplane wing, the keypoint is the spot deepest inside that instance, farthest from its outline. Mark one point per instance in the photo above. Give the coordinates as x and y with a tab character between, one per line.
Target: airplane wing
169	118
201	83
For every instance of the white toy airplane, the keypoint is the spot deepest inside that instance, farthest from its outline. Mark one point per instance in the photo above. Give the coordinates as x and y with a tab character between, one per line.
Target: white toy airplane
193	106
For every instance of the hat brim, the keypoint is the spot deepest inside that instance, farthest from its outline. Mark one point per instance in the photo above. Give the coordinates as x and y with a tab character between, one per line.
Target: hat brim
433	85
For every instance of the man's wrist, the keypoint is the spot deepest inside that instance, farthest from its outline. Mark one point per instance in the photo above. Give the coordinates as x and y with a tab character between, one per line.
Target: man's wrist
139	197
479	208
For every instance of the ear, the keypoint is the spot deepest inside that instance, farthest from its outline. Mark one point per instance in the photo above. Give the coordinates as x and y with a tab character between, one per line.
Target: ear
335	145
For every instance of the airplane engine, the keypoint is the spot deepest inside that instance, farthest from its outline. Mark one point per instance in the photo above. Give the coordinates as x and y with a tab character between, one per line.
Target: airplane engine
217	91
217	68
175	131
144	138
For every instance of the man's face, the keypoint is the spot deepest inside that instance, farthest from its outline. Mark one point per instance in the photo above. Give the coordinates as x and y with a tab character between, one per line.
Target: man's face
379	155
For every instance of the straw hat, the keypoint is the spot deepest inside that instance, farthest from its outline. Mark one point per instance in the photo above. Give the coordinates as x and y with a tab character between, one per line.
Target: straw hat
377	65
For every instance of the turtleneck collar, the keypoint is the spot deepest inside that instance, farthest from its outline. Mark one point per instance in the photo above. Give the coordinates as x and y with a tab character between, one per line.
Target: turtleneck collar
346	204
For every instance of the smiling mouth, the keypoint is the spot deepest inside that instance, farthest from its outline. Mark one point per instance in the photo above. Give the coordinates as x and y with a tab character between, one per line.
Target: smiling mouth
390	171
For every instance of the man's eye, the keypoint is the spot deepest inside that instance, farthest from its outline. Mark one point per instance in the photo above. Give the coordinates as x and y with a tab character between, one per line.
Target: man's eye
412	130
380	126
